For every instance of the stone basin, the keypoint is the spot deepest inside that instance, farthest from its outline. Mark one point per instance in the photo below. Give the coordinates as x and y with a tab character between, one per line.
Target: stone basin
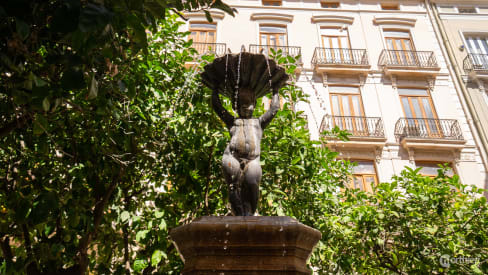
245	245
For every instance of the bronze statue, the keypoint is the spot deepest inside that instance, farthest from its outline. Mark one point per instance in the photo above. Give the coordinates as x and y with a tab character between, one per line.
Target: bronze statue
244	79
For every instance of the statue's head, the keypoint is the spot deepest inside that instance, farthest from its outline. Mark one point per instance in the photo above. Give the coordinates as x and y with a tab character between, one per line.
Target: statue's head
246	102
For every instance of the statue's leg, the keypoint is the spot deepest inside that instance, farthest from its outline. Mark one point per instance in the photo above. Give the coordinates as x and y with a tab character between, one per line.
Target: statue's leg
250	186
232	174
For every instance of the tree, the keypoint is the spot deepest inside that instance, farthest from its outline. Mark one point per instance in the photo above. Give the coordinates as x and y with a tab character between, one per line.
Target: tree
108	142
80	119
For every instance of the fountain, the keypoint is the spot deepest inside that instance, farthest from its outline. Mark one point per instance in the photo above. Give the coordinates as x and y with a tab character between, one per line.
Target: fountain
244	243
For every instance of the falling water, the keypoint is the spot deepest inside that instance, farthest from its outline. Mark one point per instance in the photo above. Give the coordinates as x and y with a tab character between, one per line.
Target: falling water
226	66
269	72
238	77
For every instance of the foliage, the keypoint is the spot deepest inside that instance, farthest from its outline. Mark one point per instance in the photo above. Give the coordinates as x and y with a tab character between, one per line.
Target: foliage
83	110
107	142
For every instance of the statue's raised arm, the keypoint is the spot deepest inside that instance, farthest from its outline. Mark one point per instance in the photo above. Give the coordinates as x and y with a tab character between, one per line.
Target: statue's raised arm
226	117
266	118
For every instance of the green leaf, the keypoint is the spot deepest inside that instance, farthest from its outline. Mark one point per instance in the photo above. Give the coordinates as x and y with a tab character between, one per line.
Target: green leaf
22	28
139	265
162	224
45	104
93	91
141	235
124	216
158	214
156	257
40	124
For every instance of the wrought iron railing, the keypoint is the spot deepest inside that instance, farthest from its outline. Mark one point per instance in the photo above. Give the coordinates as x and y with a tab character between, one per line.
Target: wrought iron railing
285	50
218	49
419	59
340	56
358	126
476	62
428	128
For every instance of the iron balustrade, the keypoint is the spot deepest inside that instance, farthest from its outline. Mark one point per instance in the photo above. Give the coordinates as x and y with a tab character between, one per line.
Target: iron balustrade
428	128
419	59
340	56
293	51
218	49
476	62
358	126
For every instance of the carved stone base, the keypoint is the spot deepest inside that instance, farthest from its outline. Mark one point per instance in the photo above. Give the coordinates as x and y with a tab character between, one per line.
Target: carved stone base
245	245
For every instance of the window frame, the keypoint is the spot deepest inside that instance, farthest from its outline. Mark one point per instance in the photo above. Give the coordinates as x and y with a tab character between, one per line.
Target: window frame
276	34
270	3
328	3
363	175
422	110
202	29
390	6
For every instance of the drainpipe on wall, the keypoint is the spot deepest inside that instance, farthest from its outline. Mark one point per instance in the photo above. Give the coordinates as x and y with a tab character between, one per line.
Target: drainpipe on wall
466	100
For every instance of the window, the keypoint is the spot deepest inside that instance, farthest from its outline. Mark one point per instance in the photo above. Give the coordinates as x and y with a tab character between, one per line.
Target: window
419	111
429	169
402	50
390	7
275	3
467	10
329	5
363	176
478	48
272	37
336	44
203	32
347	109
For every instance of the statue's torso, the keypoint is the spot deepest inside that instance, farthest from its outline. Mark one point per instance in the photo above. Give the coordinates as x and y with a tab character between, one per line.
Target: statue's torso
245	139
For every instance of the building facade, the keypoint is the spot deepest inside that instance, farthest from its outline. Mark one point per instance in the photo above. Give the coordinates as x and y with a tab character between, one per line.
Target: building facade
463	26
374	68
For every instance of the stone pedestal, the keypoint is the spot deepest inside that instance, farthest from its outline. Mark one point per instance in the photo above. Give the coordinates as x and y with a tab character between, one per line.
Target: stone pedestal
245	245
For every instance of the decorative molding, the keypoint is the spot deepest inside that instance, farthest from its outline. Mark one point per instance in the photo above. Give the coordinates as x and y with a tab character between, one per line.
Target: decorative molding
332	20
395	21
431	83
394	82
325	79
378	153
456	156
411	156
280	17
200	15
362	80
481	85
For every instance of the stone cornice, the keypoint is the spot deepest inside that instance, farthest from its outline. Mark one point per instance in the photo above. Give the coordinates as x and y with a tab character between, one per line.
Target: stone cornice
219	15
394	21
282	17
332	19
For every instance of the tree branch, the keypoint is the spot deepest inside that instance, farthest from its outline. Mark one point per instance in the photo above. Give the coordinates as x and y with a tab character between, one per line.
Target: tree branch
6	249
97	218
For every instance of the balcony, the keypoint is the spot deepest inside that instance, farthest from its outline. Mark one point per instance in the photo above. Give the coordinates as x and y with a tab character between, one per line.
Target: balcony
293	51
340	60
476	65
218	49
429	133
412	63
365	131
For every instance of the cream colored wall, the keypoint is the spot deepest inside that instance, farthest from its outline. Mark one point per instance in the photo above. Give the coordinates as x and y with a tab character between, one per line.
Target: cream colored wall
380	99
